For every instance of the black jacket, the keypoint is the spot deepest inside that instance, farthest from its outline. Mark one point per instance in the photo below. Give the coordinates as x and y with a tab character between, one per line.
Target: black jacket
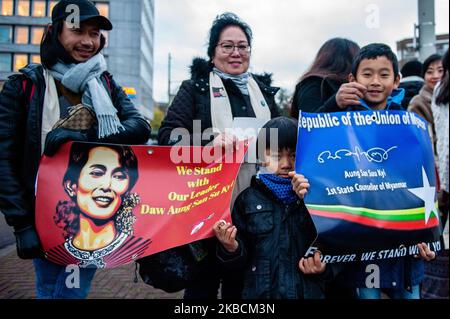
315	95
412	86
272	237
20	139
192	102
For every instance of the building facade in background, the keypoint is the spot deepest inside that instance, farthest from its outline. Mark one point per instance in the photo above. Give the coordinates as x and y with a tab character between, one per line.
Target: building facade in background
407	49
129	49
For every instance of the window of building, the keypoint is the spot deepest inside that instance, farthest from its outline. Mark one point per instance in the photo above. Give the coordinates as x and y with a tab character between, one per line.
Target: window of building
5	34
7	7
5	62
21	36
36	35
103	8
51	5
20	61
39	8
23	8
35	58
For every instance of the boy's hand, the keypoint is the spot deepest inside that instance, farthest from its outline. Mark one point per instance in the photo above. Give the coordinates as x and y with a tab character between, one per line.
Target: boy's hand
425	253
300	184
226	234
349	94
312	265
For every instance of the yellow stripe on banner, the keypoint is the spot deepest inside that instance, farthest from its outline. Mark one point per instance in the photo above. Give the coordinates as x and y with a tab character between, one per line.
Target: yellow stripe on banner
411	211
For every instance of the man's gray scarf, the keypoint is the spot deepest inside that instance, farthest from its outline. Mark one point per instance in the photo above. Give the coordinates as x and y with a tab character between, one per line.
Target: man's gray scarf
85	78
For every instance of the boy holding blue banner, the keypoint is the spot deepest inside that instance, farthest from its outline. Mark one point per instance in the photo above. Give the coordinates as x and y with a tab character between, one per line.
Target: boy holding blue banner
376	68
272	228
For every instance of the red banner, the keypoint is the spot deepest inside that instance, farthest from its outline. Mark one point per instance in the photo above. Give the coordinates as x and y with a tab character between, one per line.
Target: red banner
108	205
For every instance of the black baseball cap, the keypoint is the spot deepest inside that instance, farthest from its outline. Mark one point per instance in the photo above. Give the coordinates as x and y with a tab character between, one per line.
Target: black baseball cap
88	11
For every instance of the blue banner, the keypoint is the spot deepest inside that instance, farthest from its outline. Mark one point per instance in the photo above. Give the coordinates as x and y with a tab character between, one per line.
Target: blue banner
373	183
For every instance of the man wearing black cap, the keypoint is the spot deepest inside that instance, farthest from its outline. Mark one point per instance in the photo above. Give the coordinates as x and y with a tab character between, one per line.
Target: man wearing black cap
73	72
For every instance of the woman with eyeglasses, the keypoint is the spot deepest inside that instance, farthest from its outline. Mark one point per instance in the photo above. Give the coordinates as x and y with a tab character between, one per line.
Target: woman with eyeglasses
219	91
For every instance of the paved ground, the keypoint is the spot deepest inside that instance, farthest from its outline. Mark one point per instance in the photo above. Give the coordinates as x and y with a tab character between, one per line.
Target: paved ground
17	281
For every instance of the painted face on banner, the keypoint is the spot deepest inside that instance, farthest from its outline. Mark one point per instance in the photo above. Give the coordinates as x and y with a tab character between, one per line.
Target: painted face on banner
101	184
280	162
232	53
81	43
378	76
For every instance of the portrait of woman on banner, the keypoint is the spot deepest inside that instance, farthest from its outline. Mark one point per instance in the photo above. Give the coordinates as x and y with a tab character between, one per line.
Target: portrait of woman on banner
97	221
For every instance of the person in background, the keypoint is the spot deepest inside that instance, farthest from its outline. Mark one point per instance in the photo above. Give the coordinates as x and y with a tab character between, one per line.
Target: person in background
436	281
317	88
421	103
412	80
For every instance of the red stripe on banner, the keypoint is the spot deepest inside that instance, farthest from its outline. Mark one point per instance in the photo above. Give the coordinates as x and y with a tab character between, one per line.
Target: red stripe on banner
394	225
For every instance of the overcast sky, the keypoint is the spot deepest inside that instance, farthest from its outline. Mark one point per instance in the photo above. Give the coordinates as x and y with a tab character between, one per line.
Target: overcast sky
287	33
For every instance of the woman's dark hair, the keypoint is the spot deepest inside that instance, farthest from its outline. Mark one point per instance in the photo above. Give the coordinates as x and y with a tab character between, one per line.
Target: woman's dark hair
372	52
220	23
428	61
287	130
442	97
67	212
334	60
52	50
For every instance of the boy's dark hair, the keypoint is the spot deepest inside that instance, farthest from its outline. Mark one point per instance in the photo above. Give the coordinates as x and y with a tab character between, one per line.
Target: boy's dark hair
443	95
428	61
287	128
373	51
220	23
52	50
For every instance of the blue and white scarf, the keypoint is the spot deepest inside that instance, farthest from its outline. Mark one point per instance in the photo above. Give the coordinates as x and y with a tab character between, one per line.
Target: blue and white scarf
240	80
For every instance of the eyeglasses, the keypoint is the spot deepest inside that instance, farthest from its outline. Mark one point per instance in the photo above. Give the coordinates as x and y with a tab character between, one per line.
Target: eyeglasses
228	48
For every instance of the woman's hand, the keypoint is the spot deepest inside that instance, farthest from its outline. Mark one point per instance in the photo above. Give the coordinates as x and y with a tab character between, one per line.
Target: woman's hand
226	234
312	265
425	253
300	184
226	141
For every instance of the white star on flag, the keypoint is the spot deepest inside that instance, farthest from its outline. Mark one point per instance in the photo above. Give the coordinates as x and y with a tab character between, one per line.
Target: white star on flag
426	193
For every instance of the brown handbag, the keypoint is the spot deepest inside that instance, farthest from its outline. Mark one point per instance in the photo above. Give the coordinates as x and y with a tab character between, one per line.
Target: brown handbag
80	118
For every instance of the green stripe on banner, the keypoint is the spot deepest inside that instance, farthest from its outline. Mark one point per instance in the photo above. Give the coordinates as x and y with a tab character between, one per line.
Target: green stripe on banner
398	215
